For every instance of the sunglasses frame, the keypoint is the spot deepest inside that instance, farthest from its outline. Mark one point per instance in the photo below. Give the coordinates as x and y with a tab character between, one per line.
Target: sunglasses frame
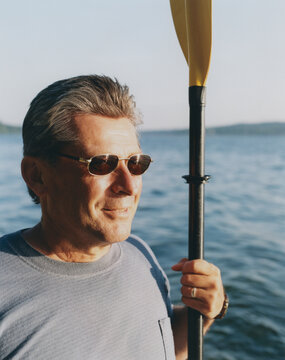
88	161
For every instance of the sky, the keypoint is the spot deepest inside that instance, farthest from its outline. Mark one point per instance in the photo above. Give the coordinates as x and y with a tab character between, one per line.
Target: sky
134	40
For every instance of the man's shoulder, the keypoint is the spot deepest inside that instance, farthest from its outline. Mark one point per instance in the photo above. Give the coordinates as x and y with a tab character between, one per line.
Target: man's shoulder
140	246
10	252
134	239
7	240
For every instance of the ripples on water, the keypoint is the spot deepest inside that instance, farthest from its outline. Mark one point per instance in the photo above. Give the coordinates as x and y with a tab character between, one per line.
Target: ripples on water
244	228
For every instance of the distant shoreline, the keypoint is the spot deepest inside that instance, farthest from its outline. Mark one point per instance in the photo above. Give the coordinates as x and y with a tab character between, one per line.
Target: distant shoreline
9	129
265	128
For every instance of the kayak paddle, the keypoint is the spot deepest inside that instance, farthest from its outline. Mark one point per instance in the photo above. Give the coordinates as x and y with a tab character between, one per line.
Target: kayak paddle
193	24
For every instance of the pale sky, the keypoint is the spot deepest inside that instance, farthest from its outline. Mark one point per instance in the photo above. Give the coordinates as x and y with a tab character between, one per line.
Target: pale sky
134	40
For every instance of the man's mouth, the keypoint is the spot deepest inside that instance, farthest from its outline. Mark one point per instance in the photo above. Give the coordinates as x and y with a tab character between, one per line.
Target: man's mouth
117	212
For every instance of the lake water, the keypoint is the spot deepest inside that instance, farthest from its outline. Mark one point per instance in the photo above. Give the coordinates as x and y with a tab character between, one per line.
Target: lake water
244	229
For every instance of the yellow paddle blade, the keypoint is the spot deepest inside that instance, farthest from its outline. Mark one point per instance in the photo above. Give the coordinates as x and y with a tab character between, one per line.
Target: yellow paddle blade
193	24
179	19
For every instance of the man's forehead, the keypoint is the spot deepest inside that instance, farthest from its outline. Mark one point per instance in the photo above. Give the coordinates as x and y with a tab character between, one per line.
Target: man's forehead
118	132
95	130
93	122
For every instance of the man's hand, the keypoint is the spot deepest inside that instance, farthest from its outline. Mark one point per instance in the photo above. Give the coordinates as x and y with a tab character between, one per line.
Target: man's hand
206	278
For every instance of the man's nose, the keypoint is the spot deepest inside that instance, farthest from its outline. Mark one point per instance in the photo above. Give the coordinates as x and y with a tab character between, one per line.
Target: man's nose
124	182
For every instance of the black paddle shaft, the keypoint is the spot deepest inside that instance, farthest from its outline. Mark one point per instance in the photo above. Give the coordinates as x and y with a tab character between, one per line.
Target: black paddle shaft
196	180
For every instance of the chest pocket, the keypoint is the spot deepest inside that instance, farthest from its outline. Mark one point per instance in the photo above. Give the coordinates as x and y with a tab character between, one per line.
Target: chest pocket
167	338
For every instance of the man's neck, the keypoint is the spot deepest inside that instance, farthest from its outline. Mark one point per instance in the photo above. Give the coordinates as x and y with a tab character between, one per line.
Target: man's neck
52	244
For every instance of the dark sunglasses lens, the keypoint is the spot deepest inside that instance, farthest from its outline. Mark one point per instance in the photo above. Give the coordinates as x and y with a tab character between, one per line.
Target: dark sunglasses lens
138	164
102	165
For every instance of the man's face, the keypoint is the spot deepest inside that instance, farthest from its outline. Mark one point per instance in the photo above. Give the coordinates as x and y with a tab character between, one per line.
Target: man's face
101	207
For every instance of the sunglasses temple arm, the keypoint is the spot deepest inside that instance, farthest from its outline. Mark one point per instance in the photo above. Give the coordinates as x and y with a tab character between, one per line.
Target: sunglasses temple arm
85	161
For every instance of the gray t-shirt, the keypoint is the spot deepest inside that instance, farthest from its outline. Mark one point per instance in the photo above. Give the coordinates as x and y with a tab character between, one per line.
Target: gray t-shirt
117	307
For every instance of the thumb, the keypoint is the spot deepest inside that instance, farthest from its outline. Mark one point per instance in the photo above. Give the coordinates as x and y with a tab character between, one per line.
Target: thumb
179	265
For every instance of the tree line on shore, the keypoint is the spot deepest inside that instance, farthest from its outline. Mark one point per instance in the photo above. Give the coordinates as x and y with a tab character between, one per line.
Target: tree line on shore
266	128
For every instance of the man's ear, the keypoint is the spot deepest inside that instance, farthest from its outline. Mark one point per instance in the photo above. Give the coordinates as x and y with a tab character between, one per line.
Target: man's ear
32	173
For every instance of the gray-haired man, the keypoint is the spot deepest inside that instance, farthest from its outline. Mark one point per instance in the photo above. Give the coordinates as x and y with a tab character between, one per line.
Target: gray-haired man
78	285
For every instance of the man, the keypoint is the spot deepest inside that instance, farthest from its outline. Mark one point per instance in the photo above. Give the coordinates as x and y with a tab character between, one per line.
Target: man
78	285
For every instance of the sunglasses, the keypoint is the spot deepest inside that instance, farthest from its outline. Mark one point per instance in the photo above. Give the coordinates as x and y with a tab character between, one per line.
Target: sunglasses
105	164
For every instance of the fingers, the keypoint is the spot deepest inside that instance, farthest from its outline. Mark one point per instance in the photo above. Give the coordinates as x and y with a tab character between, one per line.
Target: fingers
190	292
207	303
205	278
197	266
197	302
204	308
179	265
194	280
194	293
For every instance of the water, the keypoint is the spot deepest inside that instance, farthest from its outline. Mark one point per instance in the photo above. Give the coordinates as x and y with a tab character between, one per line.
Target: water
244	229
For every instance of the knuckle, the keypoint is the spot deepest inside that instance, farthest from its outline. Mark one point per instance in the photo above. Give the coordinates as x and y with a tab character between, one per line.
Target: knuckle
182	290
184	300
211	313
195	265
185	290
215	286
214	269
208	308
218	271
217	274
185	279
211	298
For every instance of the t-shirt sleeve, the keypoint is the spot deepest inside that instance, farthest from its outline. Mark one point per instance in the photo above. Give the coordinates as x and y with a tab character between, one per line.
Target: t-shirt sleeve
161	277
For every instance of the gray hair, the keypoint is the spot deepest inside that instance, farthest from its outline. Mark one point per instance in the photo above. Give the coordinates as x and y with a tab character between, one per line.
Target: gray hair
47	124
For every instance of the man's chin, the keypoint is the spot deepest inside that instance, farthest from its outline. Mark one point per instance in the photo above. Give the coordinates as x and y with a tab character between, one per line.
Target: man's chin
111	233
118	235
